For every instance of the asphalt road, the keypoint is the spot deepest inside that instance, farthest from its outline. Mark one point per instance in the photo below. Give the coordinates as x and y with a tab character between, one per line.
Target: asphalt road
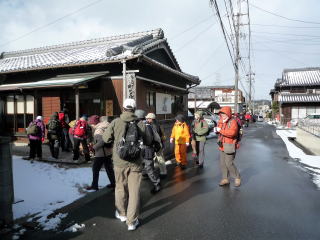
277	200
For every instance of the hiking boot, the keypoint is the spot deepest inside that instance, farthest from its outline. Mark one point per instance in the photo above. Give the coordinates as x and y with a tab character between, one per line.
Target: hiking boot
121	218
156	189
224	182
133	226
237	182
90	188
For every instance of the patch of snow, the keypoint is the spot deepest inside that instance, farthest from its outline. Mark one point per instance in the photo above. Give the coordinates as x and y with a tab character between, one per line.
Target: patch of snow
312	162
50	223
45	187
75	228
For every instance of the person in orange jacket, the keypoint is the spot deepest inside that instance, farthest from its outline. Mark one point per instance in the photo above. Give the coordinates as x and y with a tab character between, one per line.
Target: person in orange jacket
181	137
228	131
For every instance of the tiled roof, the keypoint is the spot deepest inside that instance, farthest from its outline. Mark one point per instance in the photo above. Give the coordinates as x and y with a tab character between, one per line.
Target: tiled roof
100	50
299	77
298	98
204	92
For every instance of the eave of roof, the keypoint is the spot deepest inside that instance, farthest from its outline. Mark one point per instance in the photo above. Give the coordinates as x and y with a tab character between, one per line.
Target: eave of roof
298	98
191	78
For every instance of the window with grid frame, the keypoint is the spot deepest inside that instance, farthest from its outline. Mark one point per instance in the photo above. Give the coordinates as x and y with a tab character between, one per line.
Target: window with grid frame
150	98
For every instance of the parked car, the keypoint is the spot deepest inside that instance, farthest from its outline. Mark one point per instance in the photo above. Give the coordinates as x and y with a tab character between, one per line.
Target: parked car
259	119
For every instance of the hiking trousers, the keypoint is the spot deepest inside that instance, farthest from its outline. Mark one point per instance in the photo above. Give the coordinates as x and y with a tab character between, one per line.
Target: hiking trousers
54	147
227	166
96	167
65	140
180	152
200	151
127	192
85	148
35	148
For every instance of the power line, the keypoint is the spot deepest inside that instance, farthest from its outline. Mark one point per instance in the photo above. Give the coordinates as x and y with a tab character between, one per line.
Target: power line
206	61
278	15
215	4
50	23
191	27
194	38
289	34
282	26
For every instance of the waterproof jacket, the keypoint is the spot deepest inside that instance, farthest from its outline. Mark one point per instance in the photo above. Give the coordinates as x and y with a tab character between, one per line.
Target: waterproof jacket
200	128
99	144
229	129
41	133
180	133
114	134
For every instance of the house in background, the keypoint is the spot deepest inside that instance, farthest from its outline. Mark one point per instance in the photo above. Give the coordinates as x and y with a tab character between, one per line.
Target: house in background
298	93
205	96
92	77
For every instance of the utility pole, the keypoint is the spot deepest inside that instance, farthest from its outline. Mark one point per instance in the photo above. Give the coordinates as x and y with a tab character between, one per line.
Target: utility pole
250	107
237	57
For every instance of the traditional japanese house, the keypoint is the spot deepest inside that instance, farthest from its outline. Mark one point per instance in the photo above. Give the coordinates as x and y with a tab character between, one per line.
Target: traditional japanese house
297	93
92	77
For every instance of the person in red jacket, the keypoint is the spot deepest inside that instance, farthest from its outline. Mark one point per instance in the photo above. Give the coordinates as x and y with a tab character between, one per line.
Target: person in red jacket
65	141
227	140
80	135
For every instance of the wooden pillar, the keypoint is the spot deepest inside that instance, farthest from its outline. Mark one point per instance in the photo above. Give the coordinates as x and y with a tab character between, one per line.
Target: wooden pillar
25	112
124	80
77	103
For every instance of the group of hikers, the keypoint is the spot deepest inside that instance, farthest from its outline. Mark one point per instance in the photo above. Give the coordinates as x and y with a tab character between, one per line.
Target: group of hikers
129	146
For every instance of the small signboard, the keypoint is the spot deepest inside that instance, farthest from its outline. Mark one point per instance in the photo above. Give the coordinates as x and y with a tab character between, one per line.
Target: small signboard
109	107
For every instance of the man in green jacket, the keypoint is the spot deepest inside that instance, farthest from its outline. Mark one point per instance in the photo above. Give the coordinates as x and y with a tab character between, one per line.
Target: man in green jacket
127	173
199	130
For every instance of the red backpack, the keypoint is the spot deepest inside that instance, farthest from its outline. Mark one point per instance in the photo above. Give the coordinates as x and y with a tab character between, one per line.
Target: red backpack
80	129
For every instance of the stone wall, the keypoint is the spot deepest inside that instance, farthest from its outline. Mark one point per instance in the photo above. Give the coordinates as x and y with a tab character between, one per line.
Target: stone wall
309	141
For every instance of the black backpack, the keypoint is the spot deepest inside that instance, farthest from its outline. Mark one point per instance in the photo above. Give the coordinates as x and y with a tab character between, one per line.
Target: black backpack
149	138
53	127
128	148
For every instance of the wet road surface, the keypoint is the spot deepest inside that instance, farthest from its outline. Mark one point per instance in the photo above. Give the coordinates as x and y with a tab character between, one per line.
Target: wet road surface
275	201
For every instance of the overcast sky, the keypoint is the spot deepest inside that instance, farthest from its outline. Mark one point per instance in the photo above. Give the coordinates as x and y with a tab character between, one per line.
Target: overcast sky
189	25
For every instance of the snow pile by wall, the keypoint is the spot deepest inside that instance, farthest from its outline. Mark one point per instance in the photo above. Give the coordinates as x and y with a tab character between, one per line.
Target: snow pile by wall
312	163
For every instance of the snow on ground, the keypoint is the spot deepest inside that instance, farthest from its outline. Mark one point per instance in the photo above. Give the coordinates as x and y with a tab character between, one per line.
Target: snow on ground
45	187
310	162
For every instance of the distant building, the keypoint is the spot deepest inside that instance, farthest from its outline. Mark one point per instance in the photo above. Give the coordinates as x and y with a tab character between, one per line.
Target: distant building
205	96
92	77
261	107
298	93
